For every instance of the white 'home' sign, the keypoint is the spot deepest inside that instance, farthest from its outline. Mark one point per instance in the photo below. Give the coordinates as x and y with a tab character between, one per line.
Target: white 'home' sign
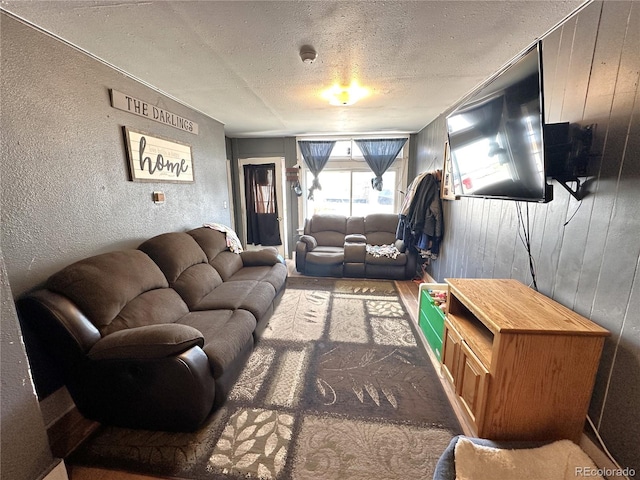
157	159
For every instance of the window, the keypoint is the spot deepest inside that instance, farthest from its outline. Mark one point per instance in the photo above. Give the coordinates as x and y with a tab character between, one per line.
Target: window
346	184
348	192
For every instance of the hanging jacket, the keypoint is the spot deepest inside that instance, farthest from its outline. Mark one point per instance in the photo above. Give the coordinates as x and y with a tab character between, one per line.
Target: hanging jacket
424	213
411	191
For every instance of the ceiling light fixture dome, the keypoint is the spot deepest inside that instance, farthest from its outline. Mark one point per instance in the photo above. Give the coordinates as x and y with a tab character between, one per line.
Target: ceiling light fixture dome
343	96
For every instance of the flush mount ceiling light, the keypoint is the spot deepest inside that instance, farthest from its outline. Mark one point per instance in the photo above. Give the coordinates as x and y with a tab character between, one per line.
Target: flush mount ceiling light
342	96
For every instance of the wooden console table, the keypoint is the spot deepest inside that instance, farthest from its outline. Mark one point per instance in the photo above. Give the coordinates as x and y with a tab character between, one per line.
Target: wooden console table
520	365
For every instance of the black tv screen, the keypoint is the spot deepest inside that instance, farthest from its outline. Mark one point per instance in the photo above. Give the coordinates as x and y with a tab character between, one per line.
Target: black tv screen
496	135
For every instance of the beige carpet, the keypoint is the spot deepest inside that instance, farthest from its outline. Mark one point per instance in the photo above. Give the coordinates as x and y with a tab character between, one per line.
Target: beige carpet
336	388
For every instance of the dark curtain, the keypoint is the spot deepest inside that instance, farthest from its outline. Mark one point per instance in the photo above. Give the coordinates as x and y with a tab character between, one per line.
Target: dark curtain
379	155
263	226
316	155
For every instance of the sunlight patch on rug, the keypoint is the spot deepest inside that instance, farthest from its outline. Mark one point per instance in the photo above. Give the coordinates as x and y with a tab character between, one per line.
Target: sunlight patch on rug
348	321
287	386
254	443
392	331
372	287
301	316
385	308
253	374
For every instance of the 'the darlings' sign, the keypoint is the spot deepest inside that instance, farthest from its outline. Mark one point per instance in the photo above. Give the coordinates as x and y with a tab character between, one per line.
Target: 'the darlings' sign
133	105
157	159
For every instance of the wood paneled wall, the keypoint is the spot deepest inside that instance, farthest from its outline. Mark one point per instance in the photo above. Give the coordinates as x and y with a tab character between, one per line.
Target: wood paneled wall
587	253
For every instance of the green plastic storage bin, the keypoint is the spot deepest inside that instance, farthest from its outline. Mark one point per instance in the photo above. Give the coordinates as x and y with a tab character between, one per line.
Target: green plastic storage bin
431	318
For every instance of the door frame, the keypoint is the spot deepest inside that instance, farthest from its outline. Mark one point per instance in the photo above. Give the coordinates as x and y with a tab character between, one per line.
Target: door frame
280	196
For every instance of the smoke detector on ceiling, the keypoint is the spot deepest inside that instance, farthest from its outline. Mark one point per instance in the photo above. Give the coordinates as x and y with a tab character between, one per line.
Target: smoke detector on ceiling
308	54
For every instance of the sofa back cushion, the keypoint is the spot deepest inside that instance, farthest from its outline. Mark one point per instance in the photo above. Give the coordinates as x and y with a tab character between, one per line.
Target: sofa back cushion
211	241
355	225
380	228
214	245
184	264
119	290
328	230
226	264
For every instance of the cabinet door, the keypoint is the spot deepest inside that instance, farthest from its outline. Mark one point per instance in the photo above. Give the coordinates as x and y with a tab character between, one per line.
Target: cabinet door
450	353
472	381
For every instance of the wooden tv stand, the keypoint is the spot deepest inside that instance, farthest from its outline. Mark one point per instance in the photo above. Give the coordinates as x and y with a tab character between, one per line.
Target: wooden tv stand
519	365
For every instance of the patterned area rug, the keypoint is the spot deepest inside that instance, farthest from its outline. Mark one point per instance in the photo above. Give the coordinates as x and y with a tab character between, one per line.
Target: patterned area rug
336	388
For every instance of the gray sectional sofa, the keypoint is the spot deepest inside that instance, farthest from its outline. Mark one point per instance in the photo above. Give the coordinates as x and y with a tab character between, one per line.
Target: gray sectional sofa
155	337
339	246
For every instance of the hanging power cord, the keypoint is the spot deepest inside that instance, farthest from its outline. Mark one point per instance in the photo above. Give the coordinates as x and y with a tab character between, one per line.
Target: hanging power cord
524	232
574	214
604	448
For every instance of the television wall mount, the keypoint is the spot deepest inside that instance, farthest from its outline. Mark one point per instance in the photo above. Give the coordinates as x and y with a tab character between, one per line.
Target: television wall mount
567	151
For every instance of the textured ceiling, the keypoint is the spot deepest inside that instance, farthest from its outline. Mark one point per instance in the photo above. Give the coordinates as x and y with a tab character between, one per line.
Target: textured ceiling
239	62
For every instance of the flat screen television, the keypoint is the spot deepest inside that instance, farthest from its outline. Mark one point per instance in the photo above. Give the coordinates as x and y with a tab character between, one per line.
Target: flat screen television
496	135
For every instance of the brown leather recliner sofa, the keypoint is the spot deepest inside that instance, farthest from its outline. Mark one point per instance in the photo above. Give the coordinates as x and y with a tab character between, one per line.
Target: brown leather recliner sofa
155	337
336	246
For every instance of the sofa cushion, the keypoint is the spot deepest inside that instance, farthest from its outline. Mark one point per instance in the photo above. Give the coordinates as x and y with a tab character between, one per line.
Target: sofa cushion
174	252
320	223
381	222
226	334
380	228
151	341
400	260
211	241
355	225
226	264
329	238
250	295
276	275
162	305
119	290
214	245
326	256
184	264
197	282
328	230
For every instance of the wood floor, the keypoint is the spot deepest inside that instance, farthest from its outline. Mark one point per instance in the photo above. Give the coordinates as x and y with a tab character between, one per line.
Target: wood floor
85	473
409	295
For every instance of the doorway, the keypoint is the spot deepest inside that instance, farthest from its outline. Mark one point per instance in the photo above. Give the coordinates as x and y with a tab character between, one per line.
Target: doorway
279	183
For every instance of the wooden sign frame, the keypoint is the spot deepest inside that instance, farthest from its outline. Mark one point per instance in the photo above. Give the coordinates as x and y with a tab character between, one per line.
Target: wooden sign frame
158	159
446	185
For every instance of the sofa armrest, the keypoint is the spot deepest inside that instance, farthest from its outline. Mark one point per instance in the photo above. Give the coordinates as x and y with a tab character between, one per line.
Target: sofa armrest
149	342
355	238
309	241
173	393
305	244
267	256
400	246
